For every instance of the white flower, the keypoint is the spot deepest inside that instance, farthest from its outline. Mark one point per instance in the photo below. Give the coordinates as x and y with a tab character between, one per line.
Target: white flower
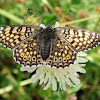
50	75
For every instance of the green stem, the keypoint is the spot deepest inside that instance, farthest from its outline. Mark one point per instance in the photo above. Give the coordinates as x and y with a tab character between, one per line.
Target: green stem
1	48
96	81
49	5
81	20
11	16
97	23
10	87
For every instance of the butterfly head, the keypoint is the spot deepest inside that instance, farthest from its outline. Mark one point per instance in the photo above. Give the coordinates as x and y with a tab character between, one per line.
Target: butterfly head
49	26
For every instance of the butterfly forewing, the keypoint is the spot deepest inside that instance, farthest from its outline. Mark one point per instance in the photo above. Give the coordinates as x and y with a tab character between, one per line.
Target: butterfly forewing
28	53
61	54
13	36
79	39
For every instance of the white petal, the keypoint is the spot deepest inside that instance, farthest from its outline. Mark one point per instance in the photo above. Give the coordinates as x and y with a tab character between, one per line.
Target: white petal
47	77
35	77
42	78
68	81
75	80
62	86
22	69
81	54
54	84
31	69
82	60
48	84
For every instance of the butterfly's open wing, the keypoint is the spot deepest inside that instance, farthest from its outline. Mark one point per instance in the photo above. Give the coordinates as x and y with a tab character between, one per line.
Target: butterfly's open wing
28	53
61	55
78	39
12	36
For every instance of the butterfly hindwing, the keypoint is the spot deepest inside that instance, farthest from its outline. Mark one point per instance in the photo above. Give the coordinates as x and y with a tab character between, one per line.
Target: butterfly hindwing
28	53
13	36
79	39
61	54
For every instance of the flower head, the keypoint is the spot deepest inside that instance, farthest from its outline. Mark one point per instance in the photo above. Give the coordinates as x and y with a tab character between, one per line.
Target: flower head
50	75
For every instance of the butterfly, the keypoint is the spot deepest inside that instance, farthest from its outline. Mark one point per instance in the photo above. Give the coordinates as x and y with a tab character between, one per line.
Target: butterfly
55	47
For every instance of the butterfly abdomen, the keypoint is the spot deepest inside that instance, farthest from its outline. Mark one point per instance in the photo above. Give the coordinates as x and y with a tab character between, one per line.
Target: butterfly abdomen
46	38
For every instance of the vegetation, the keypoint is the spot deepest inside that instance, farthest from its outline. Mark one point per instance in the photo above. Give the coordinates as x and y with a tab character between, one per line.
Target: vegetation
16	85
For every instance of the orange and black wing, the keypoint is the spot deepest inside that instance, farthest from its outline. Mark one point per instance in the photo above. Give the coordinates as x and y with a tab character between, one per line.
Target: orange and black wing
12	36
79	39
61	55
28	53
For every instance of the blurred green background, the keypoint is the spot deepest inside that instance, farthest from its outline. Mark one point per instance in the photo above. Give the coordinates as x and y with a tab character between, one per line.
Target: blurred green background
16	85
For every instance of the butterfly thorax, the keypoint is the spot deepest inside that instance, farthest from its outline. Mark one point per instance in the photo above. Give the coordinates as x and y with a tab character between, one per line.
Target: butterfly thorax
46	38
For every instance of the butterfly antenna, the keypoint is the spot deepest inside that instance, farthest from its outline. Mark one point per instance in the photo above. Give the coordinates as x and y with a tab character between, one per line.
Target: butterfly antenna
61	16
37	15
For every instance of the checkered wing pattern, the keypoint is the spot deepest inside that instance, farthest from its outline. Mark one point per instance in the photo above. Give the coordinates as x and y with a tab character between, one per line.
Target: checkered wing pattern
13	36
28	53
61	54
79	39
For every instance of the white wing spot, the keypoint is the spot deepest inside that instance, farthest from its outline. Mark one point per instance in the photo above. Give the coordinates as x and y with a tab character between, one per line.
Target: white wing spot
87	33
93	34
0	31
1	28
7	26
